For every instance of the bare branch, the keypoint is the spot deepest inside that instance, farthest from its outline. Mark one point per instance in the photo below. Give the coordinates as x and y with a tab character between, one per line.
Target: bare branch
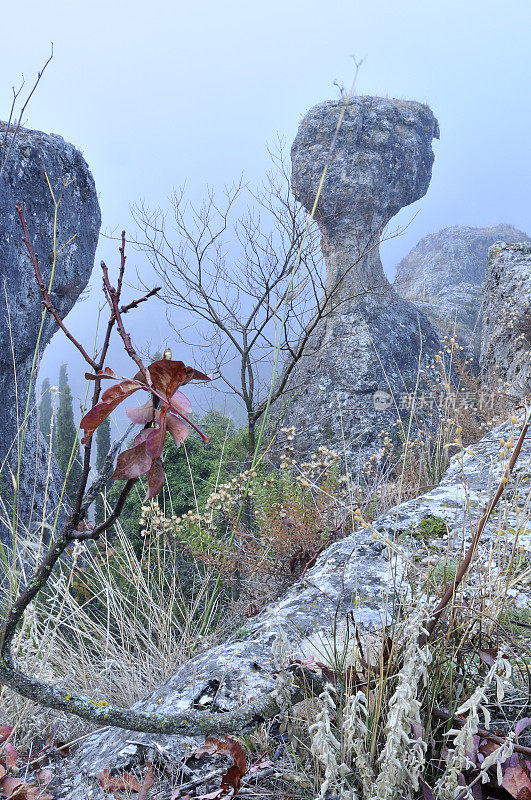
112	296
136	303
45	296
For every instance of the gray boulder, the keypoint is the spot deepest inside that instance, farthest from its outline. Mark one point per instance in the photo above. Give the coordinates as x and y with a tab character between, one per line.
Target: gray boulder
505	354
444	274
353	575
34	157
364	356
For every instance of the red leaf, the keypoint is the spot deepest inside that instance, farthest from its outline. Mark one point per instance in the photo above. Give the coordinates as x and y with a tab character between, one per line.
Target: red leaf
516	781
418	730
157	436
105	373
142	436
208	748
180	401
155	478
132	463
521	725
44	777
486	748
11	755
5	732
167	376
110	399
2	771
488	655
115	394
147	783
230	781
124	780
142	414
177	429
9	786
33	793
265	763
427	791
252	611
155	442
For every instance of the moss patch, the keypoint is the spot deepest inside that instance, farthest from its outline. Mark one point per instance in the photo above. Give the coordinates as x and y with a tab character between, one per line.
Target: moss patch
430	527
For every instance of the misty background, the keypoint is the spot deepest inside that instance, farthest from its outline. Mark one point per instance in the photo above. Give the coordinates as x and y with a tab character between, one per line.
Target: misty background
160	94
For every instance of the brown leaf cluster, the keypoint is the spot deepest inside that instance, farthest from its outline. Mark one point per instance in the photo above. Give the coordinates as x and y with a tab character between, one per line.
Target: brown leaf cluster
161	414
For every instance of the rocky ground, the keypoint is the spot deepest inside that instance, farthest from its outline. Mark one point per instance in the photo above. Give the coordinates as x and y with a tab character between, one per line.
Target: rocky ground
354	575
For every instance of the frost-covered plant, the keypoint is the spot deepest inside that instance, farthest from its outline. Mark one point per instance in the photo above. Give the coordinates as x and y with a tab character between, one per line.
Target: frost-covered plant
459	757
402	758
355	736
282	692
325	746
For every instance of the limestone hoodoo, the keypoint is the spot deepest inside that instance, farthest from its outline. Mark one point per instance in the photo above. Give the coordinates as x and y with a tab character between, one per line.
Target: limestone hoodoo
364	356
31	160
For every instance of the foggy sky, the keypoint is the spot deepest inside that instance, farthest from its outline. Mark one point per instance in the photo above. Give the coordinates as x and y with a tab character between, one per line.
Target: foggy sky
157	94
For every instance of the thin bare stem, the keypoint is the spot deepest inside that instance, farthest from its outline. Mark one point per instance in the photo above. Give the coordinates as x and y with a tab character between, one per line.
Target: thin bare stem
21	115
112	296
136	303
45	296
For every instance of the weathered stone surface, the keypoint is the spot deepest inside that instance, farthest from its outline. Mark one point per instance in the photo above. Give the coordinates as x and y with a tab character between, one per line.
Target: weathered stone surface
506	336
352	575
372	339
444	274
34	156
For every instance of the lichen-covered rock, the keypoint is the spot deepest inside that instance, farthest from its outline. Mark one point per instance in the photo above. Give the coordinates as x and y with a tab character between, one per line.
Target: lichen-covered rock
373	341
444	274
354	575
506	336
35	159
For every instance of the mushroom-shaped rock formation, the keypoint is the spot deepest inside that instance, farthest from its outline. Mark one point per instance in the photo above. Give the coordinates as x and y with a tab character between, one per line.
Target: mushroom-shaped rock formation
444	274
505	354
364	357
34	160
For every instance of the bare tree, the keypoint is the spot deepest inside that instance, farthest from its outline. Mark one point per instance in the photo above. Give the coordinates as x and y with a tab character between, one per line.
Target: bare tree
258	284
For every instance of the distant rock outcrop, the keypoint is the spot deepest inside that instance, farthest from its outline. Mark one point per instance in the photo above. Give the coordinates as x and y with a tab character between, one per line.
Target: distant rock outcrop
35	158
373	340
443	276
506	336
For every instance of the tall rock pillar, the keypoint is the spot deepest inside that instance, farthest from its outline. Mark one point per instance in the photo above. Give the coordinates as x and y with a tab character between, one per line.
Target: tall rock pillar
505	356
35	159
364	356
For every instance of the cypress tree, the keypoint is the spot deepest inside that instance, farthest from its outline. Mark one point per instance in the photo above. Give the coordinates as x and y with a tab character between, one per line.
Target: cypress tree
66	437
45	408
103	445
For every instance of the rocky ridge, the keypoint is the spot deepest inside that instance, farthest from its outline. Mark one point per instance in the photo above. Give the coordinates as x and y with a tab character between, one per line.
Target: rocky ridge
354	575
443	276
35	158
505	354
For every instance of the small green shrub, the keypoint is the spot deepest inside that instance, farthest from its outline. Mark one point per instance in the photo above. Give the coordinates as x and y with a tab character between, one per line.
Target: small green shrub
430	527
